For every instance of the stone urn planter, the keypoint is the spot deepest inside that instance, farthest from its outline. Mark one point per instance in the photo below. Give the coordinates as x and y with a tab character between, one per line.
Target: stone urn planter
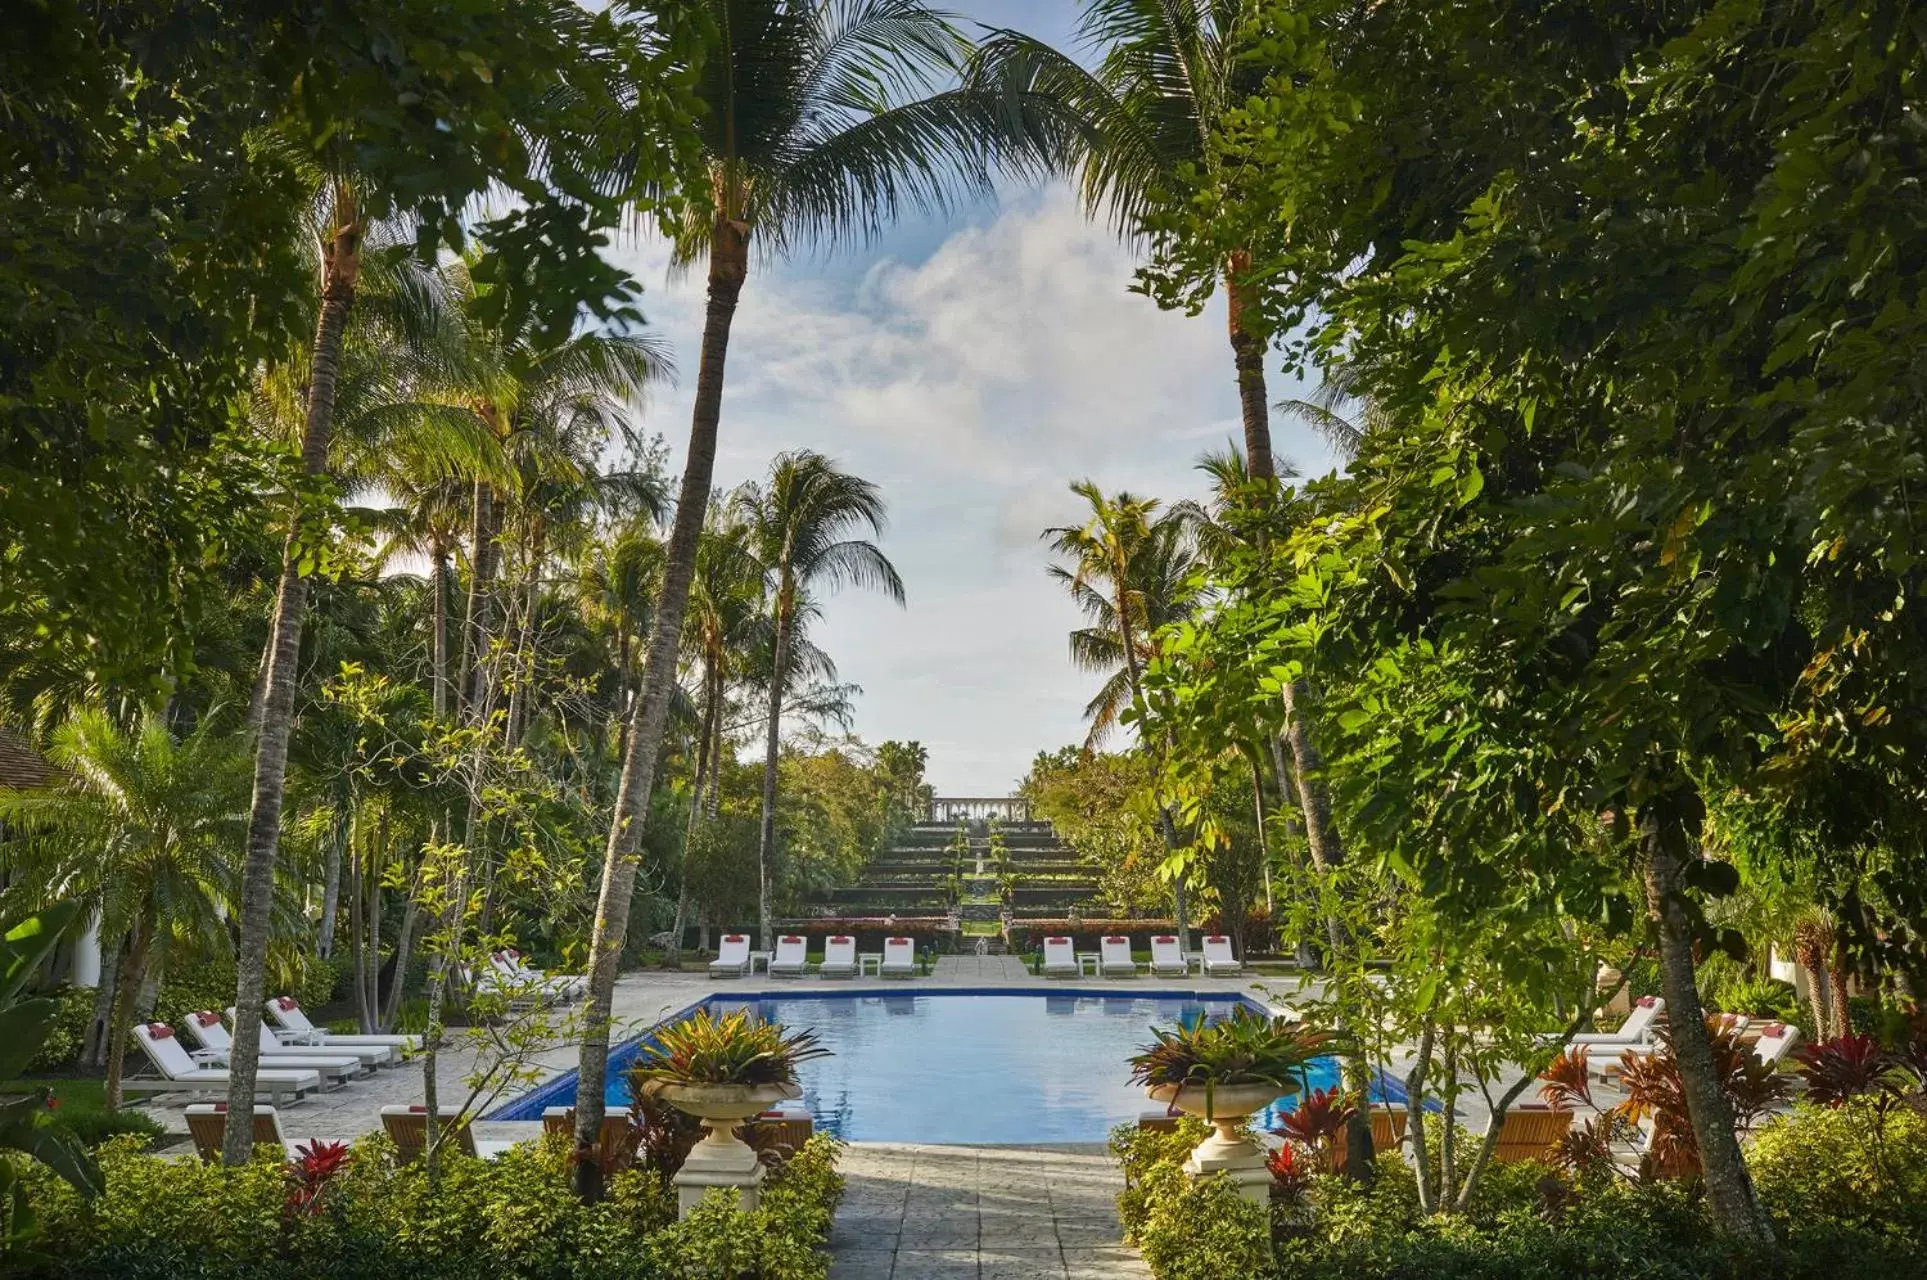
721	1159
1226	1151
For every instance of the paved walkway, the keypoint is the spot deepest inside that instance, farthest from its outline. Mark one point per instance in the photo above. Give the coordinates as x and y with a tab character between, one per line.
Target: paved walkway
979	1213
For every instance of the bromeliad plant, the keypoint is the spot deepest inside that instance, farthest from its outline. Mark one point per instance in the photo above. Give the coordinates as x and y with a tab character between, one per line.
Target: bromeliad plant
738	1048
1245	1048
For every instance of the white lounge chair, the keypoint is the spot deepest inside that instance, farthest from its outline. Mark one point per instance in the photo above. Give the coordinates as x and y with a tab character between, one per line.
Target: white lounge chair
207	1126
407	1128
791	959
569	986
1167	961
1060	958
218	1046
1114	958
1776	1038
839	957
1218	960
1733	1022
292	1027
180	1073
1636	1029
514	974
732	961
899	958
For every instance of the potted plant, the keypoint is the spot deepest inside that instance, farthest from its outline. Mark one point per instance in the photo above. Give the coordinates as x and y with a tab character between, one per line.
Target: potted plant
722	1071
1224	1071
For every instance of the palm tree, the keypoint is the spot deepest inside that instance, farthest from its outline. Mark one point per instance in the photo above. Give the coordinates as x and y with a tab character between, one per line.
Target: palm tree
725	622
1136	132
822	126
804	523
1130	573
146	831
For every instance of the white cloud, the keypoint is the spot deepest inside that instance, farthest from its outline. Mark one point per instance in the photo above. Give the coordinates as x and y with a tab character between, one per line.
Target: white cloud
973	385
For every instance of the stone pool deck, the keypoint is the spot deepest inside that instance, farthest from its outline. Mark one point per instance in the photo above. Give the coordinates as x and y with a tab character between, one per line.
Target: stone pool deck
979	1213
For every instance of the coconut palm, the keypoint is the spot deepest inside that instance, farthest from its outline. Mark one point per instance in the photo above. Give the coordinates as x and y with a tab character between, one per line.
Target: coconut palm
143	829
824	122
805	519
1134	132
1130	572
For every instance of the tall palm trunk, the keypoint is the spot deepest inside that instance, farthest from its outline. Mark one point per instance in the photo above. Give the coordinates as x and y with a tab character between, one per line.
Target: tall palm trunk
1166	826
772	747
1665	855
1327	854
728	265
707	730
484	520
133	976
439	658
324	942
1248	354
341	271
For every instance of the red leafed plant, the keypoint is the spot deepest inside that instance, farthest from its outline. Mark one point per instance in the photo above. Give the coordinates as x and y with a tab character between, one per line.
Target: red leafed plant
1318	1119
1291	1171
1654	1091
1852	1066
314	1165
1568	1081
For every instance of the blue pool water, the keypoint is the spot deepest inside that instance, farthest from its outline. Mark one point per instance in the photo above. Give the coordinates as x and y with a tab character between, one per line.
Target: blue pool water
957	1067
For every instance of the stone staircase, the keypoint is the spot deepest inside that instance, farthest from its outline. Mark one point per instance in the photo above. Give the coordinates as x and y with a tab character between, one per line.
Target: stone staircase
984	875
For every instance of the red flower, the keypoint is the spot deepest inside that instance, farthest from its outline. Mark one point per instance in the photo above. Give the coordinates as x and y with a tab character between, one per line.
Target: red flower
53	1103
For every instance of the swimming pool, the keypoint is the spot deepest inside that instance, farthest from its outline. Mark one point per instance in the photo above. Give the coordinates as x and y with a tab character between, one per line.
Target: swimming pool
967	1066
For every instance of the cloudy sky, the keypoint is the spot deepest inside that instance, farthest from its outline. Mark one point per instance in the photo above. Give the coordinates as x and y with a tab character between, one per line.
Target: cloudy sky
973	367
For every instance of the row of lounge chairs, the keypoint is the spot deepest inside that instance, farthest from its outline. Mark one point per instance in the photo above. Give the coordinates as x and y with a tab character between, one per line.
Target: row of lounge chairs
1167	959
297	1057
1610	1051
406	1126
733	959
510	976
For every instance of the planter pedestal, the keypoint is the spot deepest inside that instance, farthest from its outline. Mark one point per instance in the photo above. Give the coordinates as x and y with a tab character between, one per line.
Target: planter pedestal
721	1159
712	1164
1238	1159
1226	1152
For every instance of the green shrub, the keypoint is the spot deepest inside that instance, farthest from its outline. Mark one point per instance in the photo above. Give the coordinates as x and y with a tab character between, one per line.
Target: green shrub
68	1034
1847	1189
95	1127
1856	1171
209	984
514	1218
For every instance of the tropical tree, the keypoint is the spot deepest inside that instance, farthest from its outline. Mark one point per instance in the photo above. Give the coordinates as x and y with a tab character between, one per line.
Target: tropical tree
805	520
1138	133
823	124
1130	572
598	124
144	829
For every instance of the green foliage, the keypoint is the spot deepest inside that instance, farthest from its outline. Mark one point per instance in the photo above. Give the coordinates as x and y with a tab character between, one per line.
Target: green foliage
1104	806
27	1125
67	1032
1245	1048
737	1048
1846	1188
515	1217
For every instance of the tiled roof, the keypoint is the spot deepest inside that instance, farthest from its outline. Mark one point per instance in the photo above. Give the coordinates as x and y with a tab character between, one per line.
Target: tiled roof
20	765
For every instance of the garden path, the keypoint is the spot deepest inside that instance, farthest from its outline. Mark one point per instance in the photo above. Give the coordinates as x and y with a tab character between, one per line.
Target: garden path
916	1212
